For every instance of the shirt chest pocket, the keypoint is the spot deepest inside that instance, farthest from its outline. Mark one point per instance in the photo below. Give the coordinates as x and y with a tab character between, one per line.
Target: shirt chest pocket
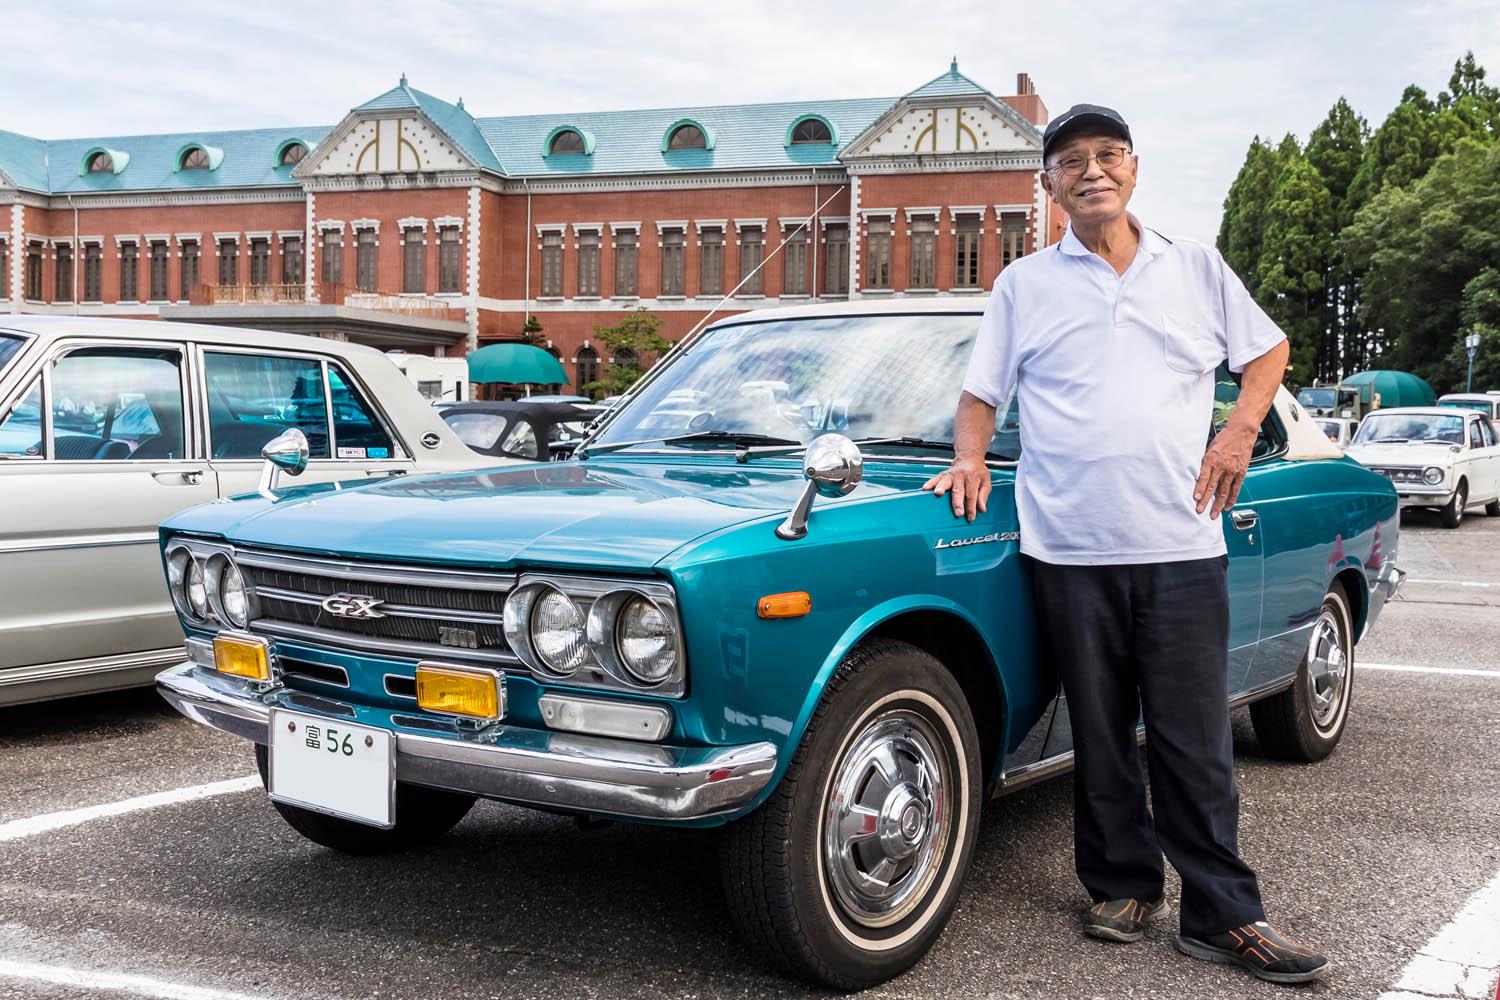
1190	345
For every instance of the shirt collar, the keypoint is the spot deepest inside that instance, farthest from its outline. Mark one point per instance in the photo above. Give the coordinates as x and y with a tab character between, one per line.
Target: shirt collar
1152	242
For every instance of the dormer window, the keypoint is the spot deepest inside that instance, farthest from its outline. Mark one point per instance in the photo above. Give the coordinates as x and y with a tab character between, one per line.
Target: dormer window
195	158
566	141
103	160
292	154
687	137
812	130
101	163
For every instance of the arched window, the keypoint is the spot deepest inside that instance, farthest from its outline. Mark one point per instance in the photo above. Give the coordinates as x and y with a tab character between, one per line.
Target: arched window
586	366
292	154
811	130
101	163
687	137
194	159
566	141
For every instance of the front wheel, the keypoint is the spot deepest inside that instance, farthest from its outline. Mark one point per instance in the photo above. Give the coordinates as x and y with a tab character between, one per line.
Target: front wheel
1453	514
1305	721
849	873
422	816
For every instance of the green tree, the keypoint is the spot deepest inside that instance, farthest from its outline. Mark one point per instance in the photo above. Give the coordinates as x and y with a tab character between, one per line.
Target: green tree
628	344
1335	150
531	331
1400	150
1479	313
1293	262
1242	228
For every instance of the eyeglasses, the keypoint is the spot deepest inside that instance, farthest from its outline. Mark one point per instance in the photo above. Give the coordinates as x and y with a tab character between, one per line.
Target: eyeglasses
1107	158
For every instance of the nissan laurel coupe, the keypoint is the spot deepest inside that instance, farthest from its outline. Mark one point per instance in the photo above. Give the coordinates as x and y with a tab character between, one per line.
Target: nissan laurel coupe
734	607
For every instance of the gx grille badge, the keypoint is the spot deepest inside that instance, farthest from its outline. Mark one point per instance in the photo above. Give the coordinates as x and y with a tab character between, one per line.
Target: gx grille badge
353	606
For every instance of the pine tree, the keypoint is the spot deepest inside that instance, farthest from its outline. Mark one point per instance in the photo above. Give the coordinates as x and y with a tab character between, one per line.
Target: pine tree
1400	150
1242	229
1335	150
1294	259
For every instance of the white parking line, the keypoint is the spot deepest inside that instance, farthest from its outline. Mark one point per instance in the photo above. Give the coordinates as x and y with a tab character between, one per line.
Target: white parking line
1408	668
1453	583
141	986
1462	960
18	828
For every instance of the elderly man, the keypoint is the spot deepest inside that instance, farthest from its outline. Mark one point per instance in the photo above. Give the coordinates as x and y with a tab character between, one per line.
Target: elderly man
1110	340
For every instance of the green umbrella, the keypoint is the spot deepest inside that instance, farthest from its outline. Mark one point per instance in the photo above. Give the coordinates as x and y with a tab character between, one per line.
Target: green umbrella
515	363
1395	388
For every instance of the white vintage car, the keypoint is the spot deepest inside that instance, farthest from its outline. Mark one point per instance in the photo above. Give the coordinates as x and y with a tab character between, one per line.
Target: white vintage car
108	427
1439	457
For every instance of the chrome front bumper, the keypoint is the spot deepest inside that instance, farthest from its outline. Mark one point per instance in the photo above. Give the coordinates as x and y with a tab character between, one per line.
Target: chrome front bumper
555	770
1418	497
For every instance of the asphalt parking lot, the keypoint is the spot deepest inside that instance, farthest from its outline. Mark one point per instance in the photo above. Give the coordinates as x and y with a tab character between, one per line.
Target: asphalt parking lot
1368	854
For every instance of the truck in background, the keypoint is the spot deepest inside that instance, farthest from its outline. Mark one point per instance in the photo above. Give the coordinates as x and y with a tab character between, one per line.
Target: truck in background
439	380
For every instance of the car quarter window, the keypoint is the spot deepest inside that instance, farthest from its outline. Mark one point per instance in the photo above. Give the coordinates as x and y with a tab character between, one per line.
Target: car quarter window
117	404
254	397
21	430
1227	395
521	440
1487	432
1476	436
356	431
477	430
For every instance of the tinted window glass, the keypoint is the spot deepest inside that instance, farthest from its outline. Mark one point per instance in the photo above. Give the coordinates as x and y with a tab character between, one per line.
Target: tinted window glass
356	432
520	441
252	398
112	403
477	430
1476	439
1226	395
9	348
21	431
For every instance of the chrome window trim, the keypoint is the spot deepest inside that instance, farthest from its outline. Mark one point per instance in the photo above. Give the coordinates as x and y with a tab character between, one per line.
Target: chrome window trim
65	346
45	412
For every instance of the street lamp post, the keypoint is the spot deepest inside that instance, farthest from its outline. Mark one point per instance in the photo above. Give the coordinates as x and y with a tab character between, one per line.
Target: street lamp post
1472	343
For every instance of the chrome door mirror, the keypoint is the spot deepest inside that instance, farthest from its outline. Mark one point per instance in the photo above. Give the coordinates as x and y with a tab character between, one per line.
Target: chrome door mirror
286	452
833	466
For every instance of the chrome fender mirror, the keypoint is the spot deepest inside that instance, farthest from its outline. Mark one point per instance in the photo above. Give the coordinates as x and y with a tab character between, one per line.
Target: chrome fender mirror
286	452
833	466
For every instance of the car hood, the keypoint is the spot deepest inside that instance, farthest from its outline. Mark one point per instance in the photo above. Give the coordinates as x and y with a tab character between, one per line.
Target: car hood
622	514
1413	454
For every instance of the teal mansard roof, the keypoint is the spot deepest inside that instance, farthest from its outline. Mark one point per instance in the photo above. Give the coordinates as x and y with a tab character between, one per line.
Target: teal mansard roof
735	137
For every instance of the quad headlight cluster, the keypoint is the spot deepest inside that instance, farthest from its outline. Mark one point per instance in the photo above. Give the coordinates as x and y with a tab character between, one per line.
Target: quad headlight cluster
597	632
207	587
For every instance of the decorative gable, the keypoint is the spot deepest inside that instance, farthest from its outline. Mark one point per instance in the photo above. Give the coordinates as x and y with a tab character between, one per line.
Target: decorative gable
406	143
972	127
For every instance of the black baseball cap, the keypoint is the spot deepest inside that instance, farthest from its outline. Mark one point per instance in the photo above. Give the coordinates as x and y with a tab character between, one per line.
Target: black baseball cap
1093	117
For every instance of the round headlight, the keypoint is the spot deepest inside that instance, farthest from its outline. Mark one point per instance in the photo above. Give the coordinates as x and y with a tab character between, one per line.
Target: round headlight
557	633
196	589
232	596
1432	475
177	564
646	641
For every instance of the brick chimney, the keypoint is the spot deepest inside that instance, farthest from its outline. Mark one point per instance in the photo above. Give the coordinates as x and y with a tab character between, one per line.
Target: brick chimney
1027	101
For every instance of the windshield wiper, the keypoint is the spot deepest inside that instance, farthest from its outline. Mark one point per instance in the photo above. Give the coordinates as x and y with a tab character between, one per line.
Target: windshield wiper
917	442
745	439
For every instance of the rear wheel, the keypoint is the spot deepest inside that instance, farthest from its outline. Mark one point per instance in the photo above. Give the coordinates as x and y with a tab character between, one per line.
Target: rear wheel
848	874
1492	509
422	816
1453	514
1305	721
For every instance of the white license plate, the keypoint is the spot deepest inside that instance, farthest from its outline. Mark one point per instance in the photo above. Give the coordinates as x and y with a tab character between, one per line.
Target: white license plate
333	767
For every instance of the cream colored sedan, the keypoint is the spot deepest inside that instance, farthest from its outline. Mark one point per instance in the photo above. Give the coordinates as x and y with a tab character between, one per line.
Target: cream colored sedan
107	427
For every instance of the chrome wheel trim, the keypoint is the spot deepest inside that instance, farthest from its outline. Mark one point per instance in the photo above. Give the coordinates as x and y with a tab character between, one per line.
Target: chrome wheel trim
886	819
1327	670
1460	501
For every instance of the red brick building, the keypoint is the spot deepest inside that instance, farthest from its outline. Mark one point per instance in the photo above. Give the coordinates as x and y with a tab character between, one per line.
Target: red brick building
413	224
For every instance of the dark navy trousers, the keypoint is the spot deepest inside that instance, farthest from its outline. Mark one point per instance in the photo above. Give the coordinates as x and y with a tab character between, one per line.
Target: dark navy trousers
1151	640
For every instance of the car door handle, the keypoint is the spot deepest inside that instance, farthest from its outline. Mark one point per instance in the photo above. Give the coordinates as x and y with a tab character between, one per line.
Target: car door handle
178	477
1244	519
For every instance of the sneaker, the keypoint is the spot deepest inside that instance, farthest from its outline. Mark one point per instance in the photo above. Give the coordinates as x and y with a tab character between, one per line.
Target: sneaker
1261	950
1123	920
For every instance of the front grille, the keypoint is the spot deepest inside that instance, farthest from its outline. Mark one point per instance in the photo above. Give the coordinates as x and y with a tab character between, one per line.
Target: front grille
424	613
1400	475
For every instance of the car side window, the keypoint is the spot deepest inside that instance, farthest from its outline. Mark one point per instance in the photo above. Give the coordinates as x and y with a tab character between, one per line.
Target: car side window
356	432
1486	432
254	397
117	404
1476	436
521	440
477	430
1226	396
21	430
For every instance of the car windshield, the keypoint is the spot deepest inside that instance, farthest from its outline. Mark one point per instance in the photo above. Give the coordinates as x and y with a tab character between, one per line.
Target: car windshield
1318	398
868	377
10	346
1482	405
1436	428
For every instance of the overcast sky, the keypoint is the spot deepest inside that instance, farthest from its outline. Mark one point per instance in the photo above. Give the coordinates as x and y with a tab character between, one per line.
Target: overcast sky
1195	80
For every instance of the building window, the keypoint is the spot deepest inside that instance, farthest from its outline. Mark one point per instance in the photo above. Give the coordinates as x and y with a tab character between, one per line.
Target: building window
552	264
687	137
158	270
365	245
4	270
291	260
293	154
189	272
567	142
93	273
711	262
752	252
34	272
1012	237
588	263
62	286
794	256
878	269
923	252
450	260
229	262
101	163
966	254
413	260
836	259
627	242
673	279
333	257
260	262
586	366
194	159
811	130
130	286
626	357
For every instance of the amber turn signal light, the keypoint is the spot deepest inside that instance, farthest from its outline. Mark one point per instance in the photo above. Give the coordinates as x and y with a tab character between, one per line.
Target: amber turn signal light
243	656
472	692
793	604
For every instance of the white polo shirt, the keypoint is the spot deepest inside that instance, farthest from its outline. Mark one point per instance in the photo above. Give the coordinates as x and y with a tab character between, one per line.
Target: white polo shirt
1115	380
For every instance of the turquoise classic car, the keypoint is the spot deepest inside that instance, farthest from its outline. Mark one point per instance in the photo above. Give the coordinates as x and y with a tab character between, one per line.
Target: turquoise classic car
734	607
